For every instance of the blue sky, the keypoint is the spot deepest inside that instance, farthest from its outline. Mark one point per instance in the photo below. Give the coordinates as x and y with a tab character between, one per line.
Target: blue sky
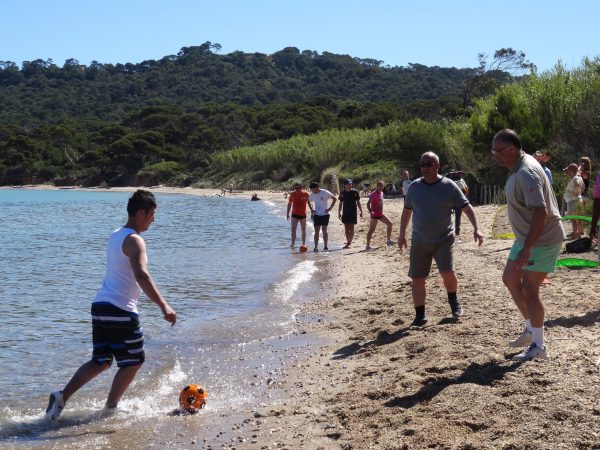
430	32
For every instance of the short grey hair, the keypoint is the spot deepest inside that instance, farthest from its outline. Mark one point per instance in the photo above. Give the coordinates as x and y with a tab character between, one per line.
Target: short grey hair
430	155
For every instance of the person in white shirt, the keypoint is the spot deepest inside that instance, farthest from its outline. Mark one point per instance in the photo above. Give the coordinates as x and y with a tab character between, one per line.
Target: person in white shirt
406	181
318	201
573	197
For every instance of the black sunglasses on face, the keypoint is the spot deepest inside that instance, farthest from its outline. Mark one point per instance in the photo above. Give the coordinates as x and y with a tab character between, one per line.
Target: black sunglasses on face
427	164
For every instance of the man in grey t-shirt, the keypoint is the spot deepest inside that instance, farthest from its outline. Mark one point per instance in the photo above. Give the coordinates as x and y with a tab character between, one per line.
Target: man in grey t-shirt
430	201
535	219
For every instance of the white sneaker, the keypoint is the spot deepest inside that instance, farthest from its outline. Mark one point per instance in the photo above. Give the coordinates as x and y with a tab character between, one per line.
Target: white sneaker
526	338
55	406
533	352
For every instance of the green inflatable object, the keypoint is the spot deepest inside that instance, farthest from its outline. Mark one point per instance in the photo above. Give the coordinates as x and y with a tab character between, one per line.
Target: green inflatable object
576	262
584	218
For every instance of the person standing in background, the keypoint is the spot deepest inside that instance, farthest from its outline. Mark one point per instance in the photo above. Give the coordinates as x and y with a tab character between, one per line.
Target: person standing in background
585	171
596	212
462	185
375	208
348	210
543	158
320	212
573	197
405	182
297	201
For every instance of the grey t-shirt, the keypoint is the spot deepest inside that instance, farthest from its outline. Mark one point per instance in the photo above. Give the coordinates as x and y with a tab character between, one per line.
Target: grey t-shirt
527	187
432	206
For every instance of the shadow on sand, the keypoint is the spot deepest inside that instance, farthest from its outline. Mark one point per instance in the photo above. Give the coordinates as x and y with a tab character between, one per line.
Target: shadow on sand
483	374
587	320
383	338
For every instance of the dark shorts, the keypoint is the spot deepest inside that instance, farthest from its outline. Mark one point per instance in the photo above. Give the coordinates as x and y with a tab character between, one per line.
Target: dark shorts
298	216
421	256
349	219
321	221
116	333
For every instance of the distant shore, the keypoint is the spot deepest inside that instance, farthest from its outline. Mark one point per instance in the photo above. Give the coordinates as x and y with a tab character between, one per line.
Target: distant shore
263	195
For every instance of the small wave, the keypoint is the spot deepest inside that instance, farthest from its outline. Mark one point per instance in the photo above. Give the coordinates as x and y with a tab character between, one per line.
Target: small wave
301	273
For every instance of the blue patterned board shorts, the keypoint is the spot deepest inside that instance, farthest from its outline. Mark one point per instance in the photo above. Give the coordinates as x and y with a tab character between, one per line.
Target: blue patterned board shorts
116	334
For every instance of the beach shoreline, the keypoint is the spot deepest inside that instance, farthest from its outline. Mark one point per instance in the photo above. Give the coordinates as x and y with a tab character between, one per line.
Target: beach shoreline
377	383
365	379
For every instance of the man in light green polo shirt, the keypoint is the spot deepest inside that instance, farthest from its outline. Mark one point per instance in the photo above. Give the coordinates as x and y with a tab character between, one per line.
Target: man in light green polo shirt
535	219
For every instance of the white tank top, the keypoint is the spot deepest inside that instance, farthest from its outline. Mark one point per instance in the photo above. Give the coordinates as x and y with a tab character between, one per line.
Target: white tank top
119	286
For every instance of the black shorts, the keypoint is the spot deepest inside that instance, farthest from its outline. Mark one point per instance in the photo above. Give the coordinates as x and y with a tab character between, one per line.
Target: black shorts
349	219
298	216
321	221
116	333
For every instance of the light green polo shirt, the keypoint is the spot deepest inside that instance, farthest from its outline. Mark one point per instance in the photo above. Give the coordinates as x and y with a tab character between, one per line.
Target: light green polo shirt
527	188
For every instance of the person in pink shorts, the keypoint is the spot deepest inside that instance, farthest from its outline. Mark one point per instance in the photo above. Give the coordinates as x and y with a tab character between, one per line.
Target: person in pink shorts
375	207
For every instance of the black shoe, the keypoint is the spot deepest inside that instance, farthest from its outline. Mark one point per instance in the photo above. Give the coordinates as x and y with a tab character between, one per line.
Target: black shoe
457	309
419	322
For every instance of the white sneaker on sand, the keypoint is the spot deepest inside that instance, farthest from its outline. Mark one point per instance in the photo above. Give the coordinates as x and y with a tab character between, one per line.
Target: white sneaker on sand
533	352
55	406
526	338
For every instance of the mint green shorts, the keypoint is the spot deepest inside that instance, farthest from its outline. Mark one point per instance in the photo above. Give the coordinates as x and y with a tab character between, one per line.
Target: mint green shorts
542	259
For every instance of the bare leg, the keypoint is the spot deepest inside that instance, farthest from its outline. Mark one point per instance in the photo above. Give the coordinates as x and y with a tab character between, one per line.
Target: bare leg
294	225
512	279
347	233
372	227
325	237
450	281
84	375
389	225
303	230
316	237
418	291
575	225
531	294
121	382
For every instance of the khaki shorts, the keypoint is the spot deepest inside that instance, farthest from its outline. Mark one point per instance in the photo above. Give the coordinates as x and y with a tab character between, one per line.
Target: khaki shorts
421	256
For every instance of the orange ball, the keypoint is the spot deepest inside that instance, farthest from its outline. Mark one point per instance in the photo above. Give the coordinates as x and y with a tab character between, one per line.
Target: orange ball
193	397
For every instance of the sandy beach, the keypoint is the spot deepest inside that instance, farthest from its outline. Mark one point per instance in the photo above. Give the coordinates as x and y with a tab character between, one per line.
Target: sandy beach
364	379
380	384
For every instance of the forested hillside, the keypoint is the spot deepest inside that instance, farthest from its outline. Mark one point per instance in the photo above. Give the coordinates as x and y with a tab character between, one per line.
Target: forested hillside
197	75
556	112
160	121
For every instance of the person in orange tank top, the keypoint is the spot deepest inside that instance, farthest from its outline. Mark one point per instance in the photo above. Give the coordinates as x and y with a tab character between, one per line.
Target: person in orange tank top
297	201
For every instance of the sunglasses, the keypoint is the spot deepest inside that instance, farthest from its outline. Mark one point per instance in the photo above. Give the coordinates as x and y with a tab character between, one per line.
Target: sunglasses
428	164
498	150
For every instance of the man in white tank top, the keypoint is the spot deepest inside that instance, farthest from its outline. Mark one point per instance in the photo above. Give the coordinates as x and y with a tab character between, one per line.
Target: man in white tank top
116	330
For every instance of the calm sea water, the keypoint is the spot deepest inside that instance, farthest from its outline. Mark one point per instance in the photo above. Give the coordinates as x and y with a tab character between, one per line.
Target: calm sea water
222	263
